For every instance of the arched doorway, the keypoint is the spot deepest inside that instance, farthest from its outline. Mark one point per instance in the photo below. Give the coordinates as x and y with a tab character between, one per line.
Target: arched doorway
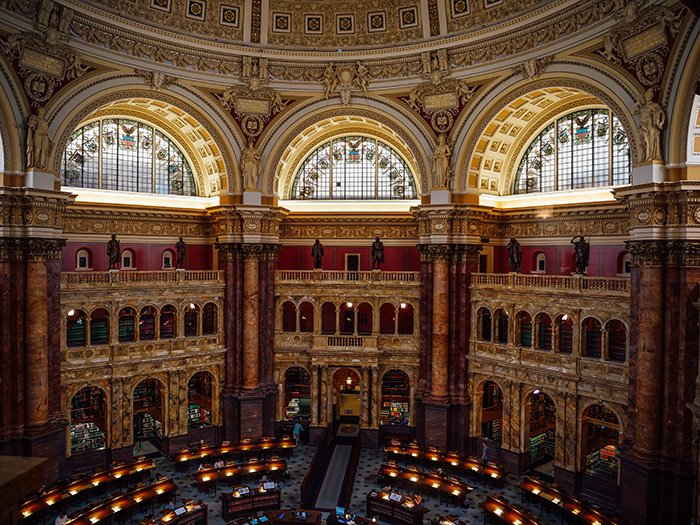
148	416
492	412
199	400
297	394
396	398
88	420
601	433
346	390
541	431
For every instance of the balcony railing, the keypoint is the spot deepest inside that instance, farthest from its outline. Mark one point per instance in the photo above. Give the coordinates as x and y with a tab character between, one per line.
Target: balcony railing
120	278
346	277
568	283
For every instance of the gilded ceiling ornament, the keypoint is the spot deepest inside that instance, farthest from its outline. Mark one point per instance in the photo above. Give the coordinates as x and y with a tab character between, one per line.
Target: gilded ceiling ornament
155	79
252	108
43	62
345	78
643	40
533	68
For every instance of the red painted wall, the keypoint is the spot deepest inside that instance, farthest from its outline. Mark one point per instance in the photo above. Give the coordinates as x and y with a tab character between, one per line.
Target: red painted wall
147	257
396	258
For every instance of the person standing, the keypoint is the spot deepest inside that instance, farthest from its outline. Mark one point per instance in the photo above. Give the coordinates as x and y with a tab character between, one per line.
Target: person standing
298	429
484	452
61	518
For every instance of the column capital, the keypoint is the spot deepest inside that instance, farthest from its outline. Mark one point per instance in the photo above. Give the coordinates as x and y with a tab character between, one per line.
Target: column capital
661	253
468	253
31	249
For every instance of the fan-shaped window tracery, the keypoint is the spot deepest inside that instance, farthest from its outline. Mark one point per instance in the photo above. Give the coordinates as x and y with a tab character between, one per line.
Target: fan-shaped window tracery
585	149
354	168
125	155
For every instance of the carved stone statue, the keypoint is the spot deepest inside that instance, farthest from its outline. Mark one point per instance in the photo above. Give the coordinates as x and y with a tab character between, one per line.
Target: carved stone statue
114	253
377	253
362	76
317	254
180	252
515	255
652	122
38	143
581	253
441	163
330	80
250	166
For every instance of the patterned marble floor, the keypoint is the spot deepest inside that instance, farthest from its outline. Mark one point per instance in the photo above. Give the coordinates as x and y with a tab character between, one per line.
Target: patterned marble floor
365	481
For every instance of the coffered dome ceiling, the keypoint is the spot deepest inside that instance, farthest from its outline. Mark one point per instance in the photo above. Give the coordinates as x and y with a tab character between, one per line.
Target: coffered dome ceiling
326	25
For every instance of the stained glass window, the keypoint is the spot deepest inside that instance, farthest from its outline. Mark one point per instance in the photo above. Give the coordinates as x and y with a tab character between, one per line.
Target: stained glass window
354	168
126	155
585	149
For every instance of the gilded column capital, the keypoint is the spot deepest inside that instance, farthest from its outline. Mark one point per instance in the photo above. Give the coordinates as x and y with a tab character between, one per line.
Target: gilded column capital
647	253
449	252
684	253
31	249
229	251
259	252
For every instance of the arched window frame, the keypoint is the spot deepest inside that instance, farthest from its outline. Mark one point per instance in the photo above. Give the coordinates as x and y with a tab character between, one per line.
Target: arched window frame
540	263
354	168
556	159
167	259
83	260
128	260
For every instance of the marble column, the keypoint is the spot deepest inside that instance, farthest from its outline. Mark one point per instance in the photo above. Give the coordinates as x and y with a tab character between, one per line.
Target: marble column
376	397
251	324
439	368
315	395
37	371
364	397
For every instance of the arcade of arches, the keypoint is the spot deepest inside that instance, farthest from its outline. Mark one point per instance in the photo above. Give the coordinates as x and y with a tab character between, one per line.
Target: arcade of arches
506	204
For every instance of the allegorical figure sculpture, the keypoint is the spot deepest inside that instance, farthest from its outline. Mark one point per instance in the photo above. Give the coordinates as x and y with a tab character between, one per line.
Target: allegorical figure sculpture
652	122
38	143
113	253
515	255
317	254
441	163
581	253
250	166
180	253
377	253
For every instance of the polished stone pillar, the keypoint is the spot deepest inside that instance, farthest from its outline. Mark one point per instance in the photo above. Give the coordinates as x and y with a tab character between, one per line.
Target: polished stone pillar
250	323
315	395
439	370
37	372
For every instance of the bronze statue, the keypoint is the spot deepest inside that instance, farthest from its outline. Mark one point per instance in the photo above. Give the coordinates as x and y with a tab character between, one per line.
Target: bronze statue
180	252
377	253
317	254
581	252
515	255
114	253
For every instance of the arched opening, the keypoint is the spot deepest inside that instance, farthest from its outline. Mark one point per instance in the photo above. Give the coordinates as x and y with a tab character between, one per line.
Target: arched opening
592	337
306	317
601	435
209	319
565	334
543	324
346	390
88	420
328	318
167	322
484	324
167	259
387	318
127	322
492	412
525	322
99	327
539	263
396	398
617	340
75	328
364	319
501	318
147	323
199	398
297	394
405	319
83	259
624	263
289	317
542	415
148	415
191	319
347	318
128	260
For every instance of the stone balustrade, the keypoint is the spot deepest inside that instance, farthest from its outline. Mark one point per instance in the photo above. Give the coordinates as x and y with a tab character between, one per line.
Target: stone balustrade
119	278
292	276
576	284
